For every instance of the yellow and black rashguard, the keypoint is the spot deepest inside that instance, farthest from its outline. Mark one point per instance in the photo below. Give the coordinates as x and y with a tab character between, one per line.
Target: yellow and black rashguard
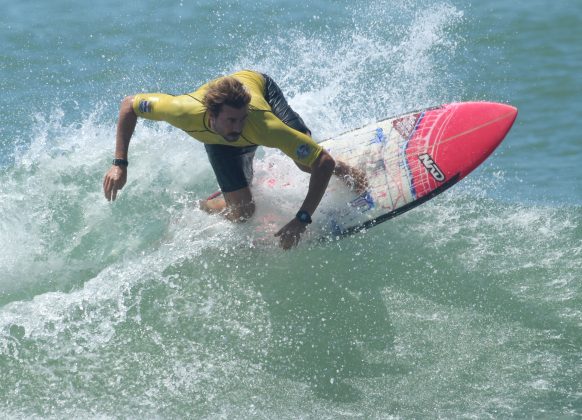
262	128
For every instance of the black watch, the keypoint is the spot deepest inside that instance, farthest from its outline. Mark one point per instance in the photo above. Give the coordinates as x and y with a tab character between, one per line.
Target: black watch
120	162
303	216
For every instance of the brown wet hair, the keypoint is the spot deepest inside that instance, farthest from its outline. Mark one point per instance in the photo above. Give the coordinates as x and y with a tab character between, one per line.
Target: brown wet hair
226	91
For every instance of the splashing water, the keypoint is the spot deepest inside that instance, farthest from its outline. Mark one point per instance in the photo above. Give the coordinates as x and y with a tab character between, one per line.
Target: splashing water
467	306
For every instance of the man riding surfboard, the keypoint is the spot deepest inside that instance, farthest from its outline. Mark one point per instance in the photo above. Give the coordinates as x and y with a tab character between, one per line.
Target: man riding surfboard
232	116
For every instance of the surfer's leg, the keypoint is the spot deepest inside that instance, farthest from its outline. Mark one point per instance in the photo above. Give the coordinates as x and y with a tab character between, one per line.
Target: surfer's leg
233	167
236	206
239	205
213	204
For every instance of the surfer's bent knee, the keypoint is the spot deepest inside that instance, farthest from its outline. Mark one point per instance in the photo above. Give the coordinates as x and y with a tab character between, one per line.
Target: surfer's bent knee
240	206
240	212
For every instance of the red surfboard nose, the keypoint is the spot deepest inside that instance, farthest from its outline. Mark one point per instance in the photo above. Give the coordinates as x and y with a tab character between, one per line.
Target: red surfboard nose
469	133
496	119
492	121
508	114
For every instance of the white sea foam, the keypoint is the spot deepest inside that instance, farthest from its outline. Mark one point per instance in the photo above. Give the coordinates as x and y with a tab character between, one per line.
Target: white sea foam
373	72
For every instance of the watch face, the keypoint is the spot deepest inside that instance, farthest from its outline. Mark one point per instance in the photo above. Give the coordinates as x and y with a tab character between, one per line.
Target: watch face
303	217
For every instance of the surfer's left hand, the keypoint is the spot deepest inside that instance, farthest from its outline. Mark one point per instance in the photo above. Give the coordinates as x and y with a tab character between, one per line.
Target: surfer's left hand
290	234
353	177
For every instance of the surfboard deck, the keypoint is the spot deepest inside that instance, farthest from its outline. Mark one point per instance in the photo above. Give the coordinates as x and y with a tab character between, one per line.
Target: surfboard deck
411	158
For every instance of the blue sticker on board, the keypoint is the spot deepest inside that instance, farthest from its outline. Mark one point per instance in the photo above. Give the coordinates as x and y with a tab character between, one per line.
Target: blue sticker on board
379	137
364	202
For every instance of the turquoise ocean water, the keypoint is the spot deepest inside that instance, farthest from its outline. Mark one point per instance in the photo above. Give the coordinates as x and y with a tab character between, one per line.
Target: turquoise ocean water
466	307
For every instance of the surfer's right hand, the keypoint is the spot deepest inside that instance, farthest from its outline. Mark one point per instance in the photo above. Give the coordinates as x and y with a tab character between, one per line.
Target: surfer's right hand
114	180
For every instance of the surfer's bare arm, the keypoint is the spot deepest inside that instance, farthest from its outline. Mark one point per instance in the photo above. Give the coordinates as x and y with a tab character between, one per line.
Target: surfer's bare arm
321	172
353	177
116	177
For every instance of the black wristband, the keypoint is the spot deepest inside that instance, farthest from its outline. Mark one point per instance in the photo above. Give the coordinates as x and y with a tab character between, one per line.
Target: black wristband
303	216
120	162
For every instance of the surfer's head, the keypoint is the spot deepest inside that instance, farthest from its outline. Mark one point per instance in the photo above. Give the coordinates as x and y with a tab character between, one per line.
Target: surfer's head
227	101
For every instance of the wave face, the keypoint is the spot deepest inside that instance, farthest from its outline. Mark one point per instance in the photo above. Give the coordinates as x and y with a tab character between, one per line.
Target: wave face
467	306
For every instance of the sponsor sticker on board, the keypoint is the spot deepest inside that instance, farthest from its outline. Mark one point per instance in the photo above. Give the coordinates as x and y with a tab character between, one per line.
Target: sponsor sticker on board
431	167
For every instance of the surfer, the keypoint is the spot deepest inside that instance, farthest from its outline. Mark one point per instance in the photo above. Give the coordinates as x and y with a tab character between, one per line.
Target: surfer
232	116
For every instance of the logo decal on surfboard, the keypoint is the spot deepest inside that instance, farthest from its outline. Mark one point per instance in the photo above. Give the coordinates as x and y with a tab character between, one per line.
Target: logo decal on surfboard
364	202
379	136
431	167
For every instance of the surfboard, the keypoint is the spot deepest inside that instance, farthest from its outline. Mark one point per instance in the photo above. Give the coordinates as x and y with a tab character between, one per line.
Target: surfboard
411	158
